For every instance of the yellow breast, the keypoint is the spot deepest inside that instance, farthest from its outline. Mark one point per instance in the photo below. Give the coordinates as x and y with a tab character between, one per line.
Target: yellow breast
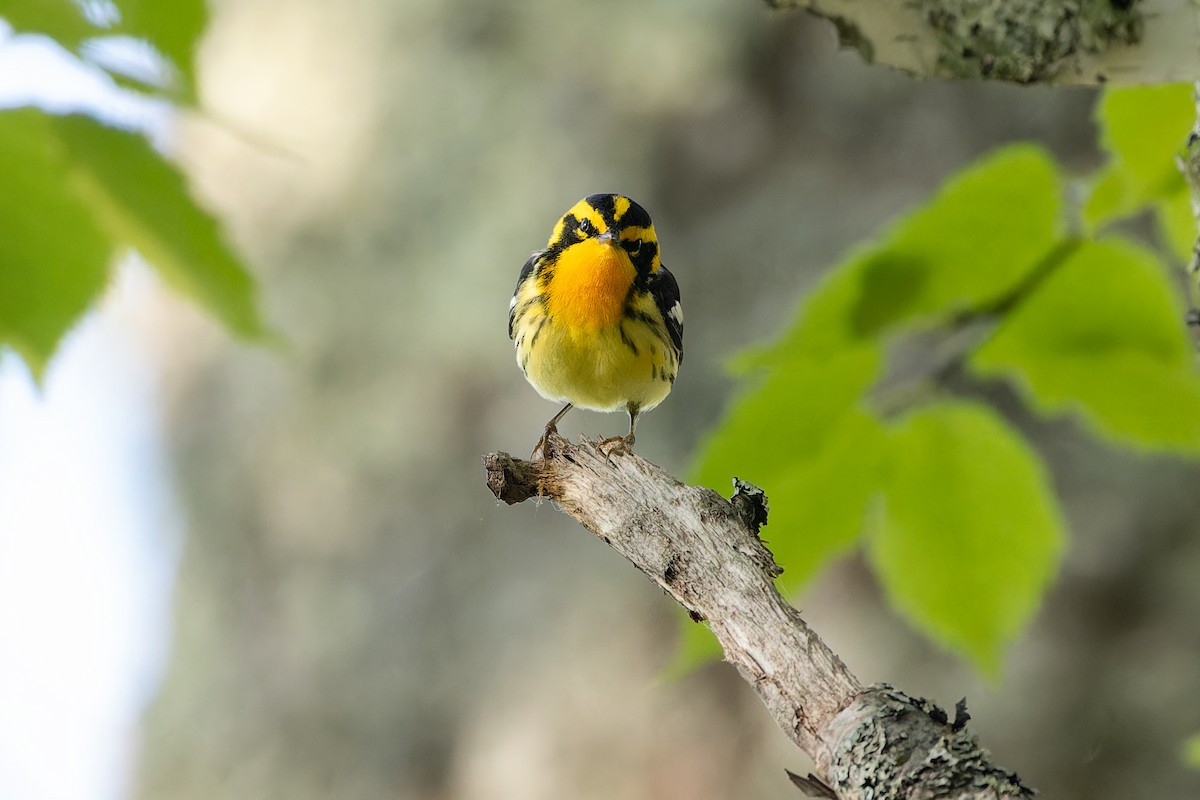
588	285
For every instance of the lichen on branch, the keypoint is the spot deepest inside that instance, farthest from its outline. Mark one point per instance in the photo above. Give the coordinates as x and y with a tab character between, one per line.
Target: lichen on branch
1021	41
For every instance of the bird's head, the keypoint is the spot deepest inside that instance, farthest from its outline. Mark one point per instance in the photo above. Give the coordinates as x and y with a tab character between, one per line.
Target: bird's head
609	221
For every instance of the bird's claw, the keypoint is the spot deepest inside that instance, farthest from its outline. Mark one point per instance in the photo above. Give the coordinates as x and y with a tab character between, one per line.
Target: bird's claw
617	445
540	447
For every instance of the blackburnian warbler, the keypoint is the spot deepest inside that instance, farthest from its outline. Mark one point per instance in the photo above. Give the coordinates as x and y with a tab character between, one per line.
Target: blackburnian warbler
596	317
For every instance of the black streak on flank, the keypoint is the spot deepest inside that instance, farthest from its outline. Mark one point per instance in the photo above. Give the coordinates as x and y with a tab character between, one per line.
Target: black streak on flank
627	341
526	307
538	332
637	315
526	271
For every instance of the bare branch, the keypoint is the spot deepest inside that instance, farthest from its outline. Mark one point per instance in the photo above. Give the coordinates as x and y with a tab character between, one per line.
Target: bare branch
873	742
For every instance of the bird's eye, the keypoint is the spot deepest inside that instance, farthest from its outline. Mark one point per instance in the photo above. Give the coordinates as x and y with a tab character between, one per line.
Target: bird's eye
586	227
634	247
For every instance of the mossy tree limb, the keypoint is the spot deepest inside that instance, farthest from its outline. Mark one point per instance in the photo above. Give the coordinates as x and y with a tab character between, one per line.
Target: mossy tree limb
1024	41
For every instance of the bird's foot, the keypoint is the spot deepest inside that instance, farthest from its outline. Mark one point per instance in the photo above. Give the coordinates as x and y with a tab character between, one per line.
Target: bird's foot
617	446
540	447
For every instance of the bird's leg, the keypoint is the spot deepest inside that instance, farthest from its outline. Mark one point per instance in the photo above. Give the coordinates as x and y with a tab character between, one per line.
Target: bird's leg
618	445
551	427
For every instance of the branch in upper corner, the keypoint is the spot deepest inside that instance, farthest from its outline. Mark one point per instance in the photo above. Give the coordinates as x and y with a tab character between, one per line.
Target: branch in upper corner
1189	165
1022	41
873	742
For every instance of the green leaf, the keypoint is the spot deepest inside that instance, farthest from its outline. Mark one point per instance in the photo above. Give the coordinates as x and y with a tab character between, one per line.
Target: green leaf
173	28
61	20
1107	200
53	256
984	232
143	201
1104	336
786	418
1177	224
819	503
802	430
968	534
1191	751
1143	128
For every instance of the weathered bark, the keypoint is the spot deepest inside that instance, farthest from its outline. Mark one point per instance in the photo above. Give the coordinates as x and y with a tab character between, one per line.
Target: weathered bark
1189	165
872	742
1025	41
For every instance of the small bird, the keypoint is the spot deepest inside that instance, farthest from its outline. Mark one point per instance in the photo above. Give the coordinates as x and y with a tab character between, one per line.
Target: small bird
596	317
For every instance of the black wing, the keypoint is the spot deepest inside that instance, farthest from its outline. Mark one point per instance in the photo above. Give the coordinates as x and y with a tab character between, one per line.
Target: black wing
526	271
665	291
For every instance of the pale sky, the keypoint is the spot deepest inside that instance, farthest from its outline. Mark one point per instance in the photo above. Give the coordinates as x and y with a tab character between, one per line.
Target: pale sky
89	535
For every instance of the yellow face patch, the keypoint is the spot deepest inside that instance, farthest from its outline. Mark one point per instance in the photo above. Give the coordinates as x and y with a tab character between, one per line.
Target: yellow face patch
634	233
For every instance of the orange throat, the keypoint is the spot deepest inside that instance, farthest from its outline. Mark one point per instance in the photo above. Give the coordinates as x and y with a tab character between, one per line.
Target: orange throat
590	283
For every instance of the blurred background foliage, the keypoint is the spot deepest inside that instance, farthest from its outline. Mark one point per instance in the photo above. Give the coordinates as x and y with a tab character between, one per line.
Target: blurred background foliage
354	615
993	278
